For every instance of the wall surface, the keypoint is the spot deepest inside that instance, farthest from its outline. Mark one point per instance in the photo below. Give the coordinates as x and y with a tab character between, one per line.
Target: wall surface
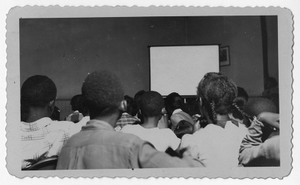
66	50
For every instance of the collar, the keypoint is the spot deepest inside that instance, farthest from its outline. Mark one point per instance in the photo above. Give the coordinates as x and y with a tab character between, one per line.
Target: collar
36	125
176	111
95	124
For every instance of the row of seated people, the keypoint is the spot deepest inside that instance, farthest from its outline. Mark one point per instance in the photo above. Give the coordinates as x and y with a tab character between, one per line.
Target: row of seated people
103	141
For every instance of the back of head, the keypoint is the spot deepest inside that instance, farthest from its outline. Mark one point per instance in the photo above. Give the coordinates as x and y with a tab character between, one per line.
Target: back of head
102	90
37	91
258	105
173	101
218	94
151	104
76	102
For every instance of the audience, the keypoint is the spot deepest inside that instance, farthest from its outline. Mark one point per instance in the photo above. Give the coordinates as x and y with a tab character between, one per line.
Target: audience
41	137
216	145
174	107
261	146
224	129
152	108
99	146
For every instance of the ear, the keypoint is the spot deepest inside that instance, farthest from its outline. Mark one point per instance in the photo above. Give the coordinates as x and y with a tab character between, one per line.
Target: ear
51	106
52	103
163	111
123	106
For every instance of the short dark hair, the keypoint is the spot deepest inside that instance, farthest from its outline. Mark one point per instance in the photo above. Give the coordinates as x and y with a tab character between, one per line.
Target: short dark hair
76	102
38	91
173	101
256	106
218	94
151	104
101	90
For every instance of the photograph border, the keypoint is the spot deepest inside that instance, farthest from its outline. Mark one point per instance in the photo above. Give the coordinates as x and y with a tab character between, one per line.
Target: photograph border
13	88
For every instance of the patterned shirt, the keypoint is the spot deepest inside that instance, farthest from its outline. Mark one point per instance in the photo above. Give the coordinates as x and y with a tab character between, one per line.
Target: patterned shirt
126	119
43	138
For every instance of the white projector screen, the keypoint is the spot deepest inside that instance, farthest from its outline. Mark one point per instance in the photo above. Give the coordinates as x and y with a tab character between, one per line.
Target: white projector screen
180	68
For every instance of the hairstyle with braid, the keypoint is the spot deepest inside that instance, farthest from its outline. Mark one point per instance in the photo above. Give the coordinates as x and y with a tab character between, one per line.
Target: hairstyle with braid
218	94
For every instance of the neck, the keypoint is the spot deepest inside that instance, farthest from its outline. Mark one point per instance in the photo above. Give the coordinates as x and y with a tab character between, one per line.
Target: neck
37	113
150	122
221	120
111	119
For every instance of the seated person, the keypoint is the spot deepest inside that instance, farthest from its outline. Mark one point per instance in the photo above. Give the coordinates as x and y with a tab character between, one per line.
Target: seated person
41	137
261	146
217	144
127	117
99	146
77	108
174	107
152	106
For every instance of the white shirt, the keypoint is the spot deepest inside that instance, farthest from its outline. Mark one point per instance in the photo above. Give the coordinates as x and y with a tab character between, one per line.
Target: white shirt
43	137
77	126
215	146
160	138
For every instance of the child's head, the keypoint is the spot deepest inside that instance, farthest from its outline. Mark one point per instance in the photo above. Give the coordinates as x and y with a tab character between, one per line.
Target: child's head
37	92
217	94
258	105
102	92
172	102
151	104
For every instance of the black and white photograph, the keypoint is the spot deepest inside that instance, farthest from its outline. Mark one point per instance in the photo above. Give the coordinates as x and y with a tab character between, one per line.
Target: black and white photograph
147	92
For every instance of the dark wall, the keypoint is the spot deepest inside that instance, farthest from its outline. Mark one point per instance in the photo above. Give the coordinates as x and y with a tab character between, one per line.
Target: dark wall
67	49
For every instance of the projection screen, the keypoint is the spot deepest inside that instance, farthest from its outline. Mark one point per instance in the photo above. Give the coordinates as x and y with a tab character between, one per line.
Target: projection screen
180	68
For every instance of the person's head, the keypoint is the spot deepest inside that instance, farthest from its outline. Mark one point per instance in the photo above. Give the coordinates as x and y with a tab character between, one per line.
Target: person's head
217	95
270	82
37	92
152	104
256	106
76	102
103	94
172	102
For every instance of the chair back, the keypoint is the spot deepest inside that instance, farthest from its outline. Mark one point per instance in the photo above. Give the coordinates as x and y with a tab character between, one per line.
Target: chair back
45	164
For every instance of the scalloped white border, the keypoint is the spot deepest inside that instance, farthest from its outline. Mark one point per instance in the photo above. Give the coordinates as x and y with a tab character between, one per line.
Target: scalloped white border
188	13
